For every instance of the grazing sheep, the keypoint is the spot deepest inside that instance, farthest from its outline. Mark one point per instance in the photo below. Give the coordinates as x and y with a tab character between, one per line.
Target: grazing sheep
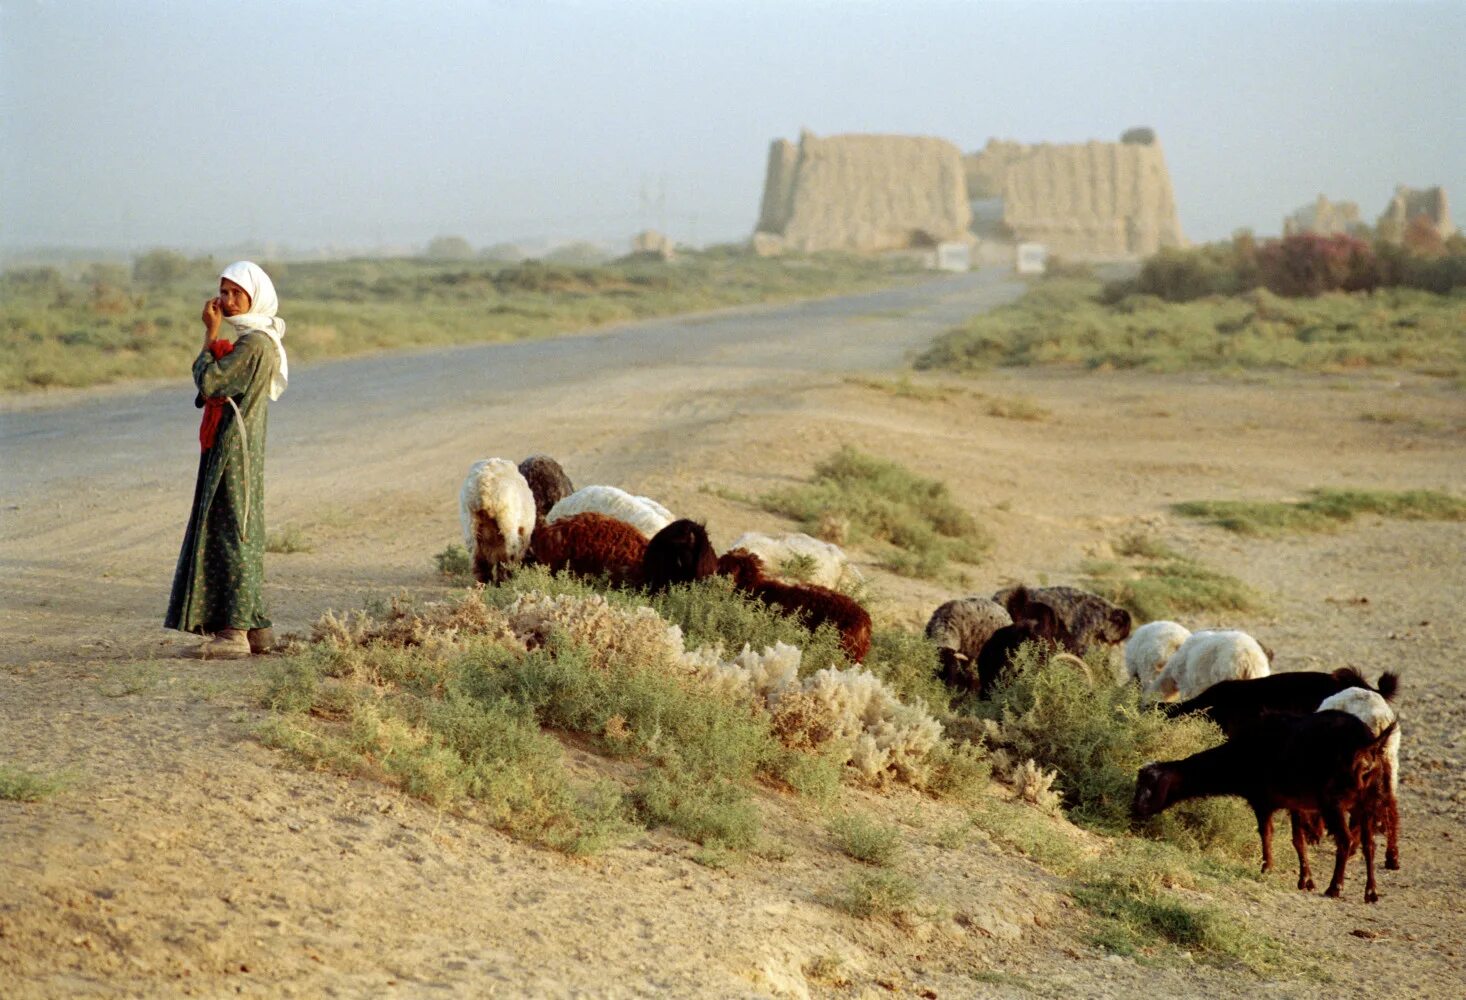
643	513
590	544
679	553
960	629
1039	624
1148	649
1233	704
830	567
547	481
1373	709
497	511
1090	619
816	605
1206	658
1328	763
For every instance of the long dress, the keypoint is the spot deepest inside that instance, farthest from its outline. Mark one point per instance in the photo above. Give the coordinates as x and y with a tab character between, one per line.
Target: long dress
221	568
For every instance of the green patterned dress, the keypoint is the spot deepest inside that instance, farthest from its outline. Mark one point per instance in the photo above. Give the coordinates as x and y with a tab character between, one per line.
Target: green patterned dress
221	569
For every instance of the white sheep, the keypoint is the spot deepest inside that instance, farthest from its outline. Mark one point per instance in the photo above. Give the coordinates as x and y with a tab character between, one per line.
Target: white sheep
642	513
1149	647
498	514
830	566
1206	658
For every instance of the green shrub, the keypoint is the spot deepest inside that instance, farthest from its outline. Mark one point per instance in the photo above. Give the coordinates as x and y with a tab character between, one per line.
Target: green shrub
879	894
17	785
865	840
884	502
1157	582
454	562
287	540
711	612
1097	737
1324	510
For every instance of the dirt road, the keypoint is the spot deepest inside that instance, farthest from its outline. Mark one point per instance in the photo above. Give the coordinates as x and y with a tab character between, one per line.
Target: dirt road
186	859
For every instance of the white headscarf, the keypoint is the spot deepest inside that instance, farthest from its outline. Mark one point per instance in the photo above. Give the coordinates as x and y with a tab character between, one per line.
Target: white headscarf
261	316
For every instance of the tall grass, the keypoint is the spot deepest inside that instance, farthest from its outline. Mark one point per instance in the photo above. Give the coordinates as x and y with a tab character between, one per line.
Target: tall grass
871	499
105	326
1066	323
1324	510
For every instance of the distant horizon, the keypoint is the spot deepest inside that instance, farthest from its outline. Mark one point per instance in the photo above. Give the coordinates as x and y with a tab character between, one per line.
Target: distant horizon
127	125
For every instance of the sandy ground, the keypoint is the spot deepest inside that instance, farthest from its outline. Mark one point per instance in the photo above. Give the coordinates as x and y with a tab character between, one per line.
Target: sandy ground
184	858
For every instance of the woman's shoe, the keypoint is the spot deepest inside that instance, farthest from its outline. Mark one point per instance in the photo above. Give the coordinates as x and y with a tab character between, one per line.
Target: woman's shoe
226	644
261	641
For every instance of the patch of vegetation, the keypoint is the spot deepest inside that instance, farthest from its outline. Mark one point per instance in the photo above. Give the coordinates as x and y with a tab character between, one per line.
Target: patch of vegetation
1134	911
882	895
454	562
1069	323
101	324
286	540
17	785
904	388
1156	582
1097	737
882	501
827	970
1324	510
865	840
1017	408
122	679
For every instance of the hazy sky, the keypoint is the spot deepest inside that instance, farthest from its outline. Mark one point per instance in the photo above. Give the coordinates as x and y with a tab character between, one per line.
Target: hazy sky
309	123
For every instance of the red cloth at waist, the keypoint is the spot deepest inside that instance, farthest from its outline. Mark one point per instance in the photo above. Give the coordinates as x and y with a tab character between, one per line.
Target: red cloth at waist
214	408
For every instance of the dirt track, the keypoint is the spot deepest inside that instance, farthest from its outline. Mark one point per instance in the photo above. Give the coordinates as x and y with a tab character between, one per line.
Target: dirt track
184	852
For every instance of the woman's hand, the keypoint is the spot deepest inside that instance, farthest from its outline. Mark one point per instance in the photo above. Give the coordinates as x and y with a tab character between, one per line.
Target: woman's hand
212	315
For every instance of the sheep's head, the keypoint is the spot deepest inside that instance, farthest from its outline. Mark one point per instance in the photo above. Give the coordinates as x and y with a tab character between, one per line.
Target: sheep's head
1118	624
743	566
1155	788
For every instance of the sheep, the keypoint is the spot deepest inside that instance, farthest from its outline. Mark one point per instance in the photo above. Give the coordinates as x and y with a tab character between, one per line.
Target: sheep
590	544
497	510
1327	762
830	567
816	605
1090	619
643	513
1149	647
1232	704
1373	709
1038	623
960	629
1206	658
679	553
547	481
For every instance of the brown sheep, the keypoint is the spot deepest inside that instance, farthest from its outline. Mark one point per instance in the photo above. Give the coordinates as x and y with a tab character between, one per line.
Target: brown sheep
679	553
589	545
547	481
815	605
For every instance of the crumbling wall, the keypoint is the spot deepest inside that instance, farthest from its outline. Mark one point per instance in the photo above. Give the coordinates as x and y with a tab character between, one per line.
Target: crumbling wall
1324	217
862	193
1089	201
1410	202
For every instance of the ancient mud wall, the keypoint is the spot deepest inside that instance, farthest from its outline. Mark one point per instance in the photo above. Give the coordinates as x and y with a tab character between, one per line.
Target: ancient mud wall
1410	202
862	193
1089	201
1324	217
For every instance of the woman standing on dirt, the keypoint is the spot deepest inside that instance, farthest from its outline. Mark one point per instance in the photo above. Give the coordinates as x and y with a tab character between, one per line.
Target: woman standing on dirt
218	586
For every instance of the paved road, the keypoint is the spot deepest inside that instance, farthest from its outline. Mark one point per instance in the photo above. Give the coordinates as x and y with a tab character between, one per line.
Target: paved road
130	436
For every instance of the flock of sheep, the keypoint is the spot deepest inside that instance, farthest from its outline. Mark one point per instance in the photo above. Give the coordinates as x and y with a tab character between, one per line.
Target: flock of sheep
1324	746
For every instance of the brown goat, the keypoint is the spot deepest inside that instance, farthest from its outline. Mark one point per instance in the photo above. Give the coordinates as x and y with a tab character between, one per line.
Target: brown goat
815	605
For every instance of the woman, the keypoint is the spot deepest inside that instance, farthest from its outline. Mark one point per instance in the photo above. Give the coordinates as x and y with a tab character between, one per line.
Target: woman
217	588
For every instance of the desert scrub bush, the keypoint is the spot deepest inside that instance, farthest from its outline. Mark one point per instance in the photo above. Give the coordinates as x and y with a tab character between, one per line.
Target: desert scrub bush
883	501
906	661
880	895
1324	510
454	562
1096	737
1070	323
18	785
1153	581
865	840
286	541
